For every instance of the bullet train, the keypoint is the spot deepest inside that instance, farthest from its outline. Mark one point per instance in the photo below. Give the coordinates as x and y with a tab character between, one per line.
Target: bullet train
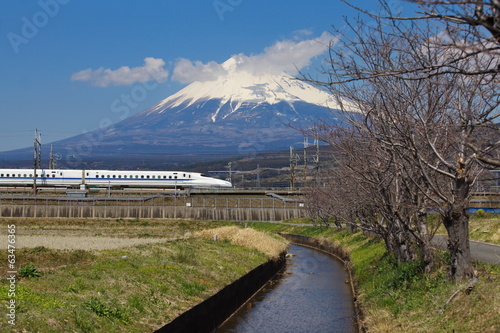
108	178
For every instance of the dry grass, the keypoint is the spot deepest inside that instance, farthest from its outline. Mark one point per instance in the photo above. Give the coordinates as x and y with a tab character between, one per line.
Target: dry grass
482	229
486	229
247	237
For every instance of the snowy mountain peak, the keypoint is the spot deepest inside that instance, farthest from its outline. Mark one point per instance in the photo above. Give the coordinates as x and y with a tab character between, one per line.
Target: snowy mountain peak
232	63
240	113
238	87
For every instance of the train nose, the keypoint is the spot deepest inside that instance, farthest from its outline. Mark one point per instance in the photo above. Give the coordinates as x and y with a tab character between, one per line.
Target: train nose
225	183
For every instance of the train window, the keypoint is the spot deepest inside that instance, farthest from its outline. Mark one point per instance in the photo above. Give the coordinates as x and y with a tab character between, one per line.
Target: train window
114	176
184	175
154	177
175	177
53	176
109	176
119	176
8	175
1	175
147	177
189	176
136	176
164	177
142	176
31	175
169	177
125	176
60	174
87	174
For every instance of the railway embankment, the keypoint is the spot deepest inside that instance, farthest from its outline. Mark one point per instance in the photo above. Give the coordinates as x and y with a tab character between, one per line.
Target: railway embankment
159	207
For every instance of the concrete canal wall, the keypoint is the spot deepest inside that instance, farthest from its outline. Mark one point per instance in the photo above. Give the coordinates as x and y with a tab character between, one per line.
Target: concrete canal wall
208	315
337	251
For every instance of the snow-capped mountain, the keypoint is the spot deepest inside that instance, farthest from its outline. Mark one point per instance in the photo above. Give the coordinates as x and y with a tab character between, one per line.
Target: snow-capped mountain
238	110
235	113
239	89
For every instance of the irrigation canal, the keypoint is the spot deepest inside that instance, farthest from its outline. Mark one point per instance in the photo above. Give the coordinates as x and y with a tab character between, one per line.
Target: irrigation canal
311	295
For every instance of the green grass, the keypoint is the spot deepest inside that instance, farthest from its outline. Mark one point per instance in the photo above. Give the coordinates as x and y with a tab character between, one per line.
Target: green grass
137	289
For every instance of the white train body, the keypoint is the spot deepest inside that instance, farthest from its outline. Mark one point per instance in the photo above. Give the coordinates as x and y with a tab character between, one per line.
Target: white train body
108	178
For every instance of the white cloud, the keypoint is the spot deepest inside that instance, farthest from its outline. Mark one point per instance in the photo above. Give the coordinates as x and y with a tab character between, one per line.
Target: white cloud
187	71
284	56
153	69
298	34
287	56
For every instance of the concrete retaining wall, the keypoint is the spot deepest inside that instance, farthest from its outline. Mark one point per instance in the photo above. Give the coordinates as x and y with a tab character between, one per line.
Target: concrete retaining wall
197	213
211	313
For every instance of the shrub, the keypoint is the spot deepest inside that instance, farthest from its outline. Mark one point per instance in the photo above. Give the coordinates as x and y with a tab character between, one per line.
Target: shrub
480	213
29	271
108	311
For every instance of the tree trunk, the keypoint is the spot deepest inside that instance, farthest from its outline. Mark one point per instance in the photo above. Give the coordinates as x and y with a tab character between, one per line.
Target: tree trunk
456	222
424	241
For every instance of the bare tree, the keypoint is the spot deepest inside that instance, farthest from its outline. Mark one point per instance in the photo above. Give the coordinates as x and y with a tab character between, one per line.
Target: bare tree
466	29
367	191
465	14
420	103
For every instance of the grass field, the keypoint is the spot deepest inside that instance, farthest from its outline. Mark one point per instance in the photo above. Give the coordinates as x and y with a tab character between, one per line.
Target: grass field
119	275
94	284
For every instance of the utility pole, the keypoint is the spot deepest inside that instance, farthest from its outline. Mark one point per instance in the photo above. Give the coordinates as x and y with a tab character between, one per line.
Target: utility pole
316	160
51	159
258	176
37	157
293	163
230	168
306	145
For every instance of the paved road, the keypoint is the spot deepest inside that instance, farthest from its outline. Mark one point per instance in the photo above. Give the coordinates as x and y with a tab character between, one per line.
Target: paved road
485	252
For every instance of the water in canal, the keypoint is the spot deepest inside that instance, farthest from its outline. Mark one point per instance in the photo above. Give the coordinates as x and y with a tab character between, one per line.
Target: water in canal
311	295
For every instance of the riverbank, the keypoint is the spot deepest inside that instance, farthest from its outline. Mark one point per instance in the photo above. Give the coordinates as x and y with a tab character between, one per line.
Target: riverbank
401	298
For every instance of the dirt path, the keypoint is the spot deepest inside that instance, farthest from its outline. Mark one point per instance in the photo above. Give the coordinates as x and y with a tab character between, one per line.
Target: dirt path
78	243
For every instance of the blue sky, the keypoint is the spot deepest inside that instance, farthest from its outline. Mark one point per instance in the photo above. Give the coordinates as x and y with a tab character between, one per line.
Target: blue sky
71	66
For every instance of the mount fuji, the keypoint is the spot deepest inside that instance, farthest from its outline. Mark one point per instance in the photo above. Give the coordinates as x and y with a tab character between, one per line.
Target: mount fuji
236	113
